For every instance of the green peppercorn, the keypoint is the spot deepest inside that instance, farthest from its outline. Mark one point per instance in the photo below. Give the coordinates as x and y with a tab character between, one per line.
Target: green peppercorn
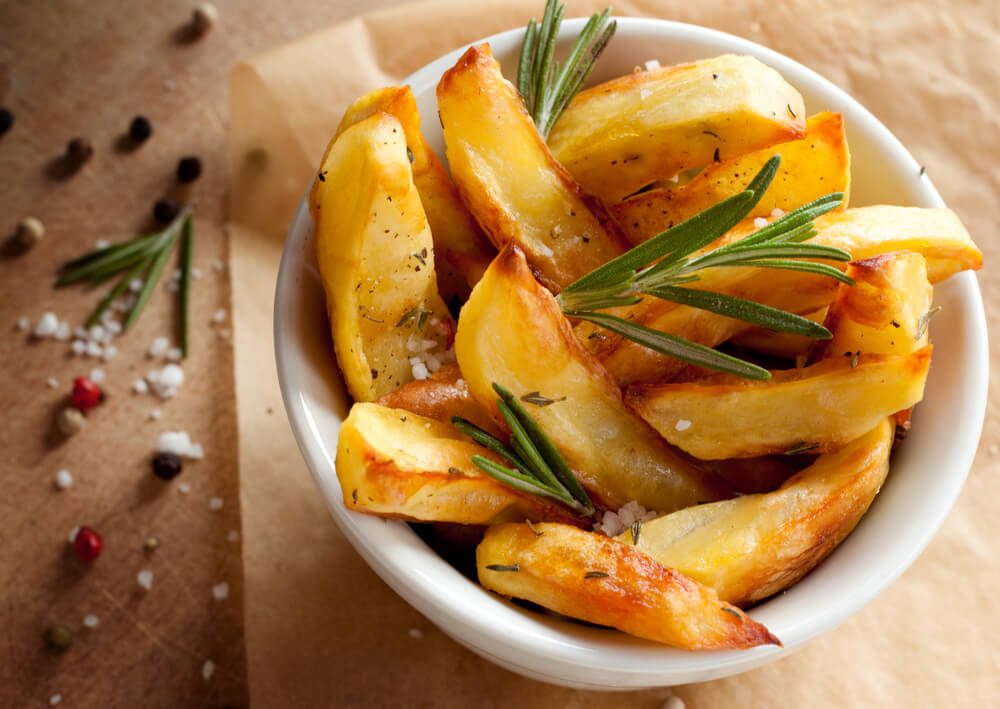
59	637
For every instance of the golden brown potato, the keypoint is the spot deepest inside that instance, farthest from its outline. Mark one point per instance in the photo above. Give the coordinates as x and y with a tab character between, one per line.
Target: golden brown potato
394	463
811	167
461	249
595	578
624	134
819	408
863	232
884	312
511	331
375	256
508	179
443	395
751	547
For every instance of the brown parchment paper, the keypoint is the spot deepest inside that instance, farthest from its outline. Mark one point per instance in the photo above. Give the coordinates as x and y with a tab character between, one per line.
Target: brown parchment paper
323	630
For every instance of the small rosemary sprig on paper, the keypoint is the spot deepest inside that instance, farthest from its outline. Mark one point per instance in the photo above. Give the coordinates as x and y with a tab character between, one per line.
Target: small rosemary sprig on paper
143	257
778	245
538	466
547	86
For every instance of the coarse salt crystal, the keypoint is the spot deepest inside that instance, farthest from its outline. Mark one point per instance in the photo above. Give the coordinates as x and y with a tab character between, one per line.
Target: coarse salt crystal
139	386
435	322
682	425
155	414
416	633
218	265
219	315
72	534
158	346
207	670
178	443
427	345
113	326
460	383
419	371
196	451
777	213
110	352
97	375
64	479
215	504
78	347
53	383
412	346
145	579
136	284
652	64
23	322
94	349
166	381
184	488
90	620
433	363
102	244
233	536
614	523
174	354
63	331
47	325
220	591
55	699
759	223
195	273
96	333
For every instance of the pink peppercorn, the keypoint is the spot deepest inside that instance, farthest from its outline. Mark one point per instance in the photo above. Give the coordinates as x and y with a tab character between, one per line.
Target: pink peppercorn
86	394
88	544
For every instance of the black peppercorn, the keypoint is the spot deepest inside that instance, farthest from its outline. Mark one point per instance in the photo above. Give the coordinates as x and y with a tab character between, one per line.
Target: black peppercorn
140	129
167	466
59	637
188	169
165	210
80	150
6	120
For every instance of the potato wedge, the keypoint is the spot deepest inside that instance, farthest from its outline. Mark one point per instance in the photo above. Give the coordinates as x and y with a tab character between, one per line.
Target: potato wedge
752	547
394	463
375	255
620	136
461	250
595	578
442	395
509	180
780	344
512	332
811	167
863	232
885	312
819	408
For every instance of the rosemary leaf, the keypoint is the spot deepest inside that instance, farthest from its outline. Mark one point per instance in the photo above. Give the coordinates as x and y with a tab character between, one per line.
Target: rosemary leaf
537	399
523	445
152	277
821	269
513	479
742	309
114	261
636	529
674	346
487	441
117	291
187	240
503	567
596	575
924	321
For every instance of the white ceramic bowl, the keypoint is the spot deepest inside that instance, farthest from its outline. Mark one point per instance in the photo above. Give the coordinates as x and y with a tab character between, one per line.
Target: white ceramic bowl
927	472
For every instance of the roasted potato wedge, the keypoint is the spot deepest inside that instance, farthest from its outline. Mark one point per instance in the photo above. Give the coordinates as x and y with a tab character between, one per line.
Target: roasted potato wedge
462	252
624	134
780	344
863	232
752	547
442	395
394	463
509	180
819	408
811	167
598	579
884	312
375	255
511	331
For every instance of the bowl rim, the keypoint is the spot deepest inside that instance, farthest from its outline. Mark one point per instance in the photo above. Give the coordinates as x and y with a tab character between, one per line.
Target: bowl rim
600	661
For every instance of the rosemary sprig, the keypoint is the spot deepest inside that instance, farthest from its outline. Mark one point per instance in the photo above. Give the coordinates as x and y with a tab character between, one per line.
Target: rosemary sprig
675	262
547	86
538	466
144	256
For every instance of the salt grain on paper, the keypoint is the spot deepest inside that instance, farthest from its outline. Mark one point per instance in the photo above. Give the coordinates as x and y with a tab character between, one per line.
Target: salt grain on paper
233	536
219	315
90	621
97	375
220	591
183	488
145	579
215	504
158	346
94	349
23	322
102	244
55	699
64	479
179	443
110	351
53	383
47	325
207	670
72	534
78	347
63	331
155	415
166	381
682	425
175	354
139	386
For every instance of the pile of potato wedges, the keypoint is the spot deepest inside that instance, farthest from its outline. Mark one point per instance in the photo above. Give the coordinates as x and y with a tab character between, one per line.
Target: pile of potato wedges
441	283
